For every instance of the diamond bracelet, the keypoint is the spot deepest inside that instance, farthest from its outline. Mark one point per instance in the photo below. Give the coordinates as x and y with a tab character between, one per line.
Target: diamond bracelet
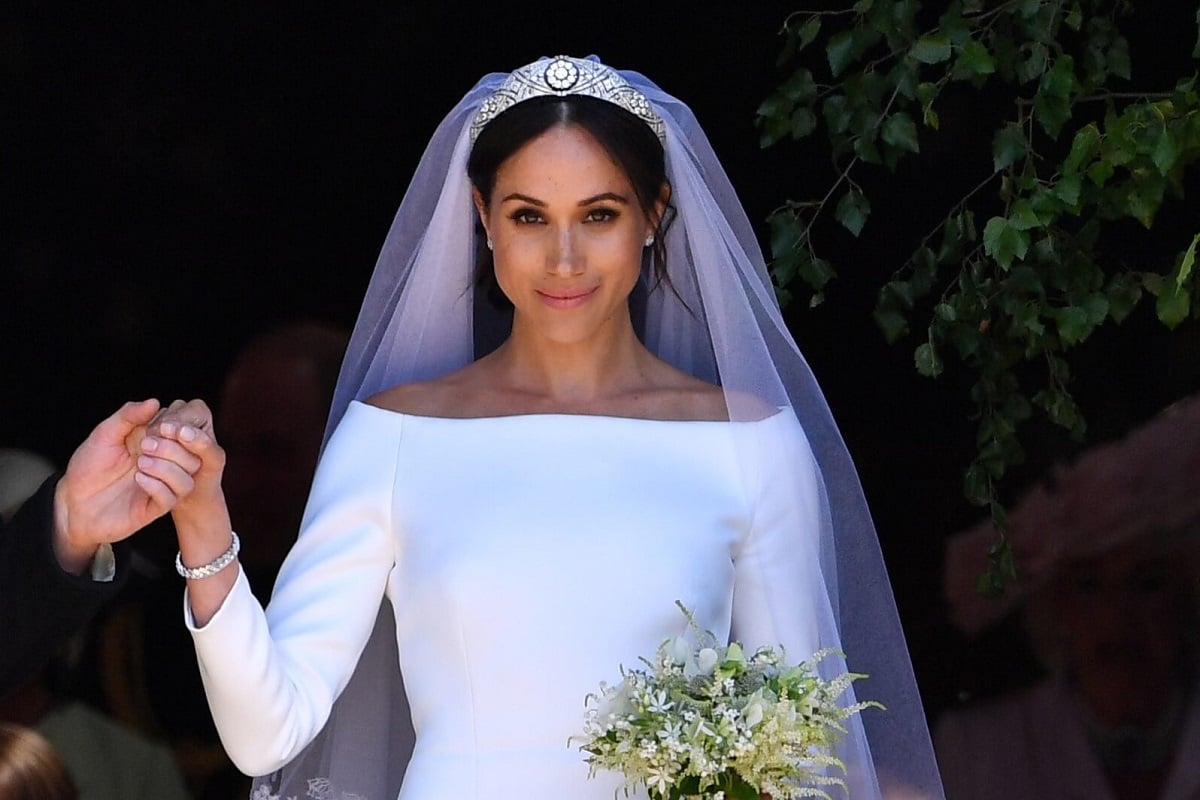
211	568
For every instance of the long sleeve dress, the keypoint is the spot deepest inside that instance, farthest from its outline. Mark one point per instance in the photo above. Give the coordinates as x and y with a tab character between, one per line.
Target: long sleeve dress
526	559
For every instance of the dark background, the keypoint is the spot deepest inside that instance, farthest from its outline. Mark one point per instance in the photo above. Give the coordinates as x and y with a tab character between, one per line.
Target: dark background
178	177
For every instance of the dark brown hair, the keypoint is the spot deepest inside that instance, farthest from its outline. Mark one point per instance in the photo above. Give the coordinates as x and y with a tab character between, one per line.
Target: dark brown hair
30	768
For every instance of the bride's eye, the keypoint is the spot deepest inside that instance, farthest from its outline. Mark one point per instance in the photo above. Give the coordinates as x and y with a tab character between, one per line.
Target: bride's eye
525	216
602	215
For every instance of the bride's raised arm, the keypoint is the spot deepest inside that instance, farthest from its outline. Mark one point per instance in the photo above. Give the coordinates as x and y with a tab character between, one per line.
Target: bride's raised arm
271	676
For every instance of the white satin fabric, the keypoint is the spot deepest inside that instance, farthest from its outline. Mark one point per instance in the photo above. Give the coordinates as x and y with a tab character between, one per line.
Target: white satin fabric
526	558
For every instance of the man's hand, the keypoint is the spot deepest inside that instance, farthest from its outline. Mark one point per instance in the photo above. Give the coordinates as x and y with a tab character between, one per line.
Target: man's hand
112	487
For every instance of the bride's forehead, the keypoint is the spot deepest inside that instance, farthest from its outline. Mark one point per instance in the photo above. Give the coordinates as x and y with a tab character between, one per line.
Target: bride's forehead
564	153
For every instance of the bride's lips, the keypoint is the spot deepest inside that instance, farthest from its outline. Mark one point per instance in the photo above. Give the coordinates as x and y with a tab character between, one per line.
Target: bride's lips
566	298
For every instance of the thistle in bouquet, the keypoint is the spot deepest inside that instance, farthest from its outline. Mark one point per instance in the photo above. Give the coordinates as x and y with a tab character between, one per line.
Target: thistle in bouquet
705	720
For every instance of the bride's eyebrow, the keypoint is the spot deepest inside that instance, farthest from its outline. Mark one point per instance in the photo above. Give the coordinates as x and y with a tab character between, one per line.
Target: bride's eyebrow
587	201
610	196
524	198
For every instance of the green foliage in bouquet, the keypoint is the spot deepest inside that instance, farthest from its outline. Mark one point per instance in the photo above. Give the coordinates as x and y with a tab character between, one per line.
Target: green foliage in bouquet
707	721
1016	272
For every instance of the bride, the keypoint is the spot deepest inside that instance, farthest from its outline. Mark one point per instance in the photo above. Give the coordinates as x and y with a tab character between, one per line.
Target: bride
505	527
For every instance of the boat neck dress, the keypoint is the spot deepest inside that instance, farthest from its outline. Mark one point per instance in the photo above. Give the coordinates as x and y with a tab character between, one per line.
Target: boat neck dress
526	559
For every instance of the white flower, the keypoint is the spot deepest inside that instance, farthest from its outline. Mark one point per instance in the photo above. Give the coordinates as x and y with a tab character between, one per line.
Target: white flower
671	732
659	703
659	778
753	712
681	649
707	660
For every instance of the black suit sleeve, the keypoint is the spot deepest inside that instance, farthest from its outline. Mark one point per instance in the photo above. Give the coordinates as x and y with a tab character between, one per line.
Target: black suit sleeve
40	604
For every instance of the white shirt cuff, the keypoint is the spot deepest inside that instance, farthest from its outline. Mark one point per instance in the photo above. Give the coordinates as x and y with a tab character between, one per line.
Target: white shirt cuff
104	564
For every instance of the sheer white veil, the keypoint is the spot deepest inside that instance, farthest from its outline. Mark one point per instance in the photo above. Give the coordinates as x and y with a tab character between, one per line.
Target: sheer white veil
721	323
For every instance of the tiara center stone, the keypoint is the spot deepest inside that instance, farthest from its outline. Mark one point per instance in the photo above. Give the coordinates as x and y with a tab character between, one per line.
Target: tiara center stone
561	75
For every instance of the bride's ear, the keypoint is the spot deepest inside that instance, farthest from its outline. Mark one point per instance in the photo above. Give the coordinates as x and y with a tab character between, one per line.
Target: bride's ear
661	204
481	208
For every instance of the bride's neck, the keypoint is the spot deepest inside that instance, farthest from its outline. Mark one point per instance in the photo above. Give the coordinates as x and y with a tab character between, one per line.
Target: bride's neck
572	372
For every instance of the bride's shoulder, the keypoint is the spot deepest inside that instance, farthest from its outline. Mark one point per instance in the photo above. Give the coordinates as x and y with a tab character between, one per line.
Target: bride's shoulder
427	398
699	400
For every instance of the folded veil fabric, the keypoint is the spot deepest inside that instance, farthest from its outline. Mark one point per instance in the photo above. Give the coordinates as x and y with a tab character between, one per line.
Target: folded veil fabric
721	323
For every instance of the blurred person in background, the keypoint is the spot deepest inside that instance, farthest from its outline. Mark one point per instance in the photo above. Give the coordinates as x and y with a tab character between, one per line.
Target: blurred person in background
1108	555
30	769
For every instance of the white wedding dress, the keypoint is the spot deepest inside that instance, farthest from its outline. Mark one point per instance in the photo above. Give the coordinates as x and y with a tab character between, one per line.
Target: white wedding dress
526	558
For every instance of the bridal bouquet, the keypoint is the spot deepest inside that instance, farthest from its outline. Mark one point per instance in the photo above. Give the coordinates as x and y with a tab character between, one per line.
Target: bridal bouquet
706	720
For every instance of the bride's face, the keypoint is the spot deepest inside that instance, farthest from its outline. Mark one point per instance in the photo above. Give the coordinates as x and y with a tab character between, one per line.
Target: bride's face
568	234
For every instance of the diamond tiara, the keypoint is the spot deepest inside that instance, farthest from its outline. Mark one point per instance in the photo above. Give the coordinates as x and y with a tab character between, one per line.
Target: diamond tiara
561	76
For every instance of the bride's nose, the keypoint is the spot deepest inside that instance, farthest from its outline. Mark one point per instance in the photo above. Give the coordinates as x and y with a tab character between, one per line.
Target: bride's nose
565	257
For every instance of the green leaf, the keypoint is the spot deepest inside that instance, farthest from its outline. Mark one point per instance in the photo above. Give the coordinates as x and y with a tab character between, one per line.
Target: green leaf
899	294
809	31
853	210
840	51
1051	112
930	118
837	116
1100	172
931	49
778	104
1123	297
774	129
1031	68
928	362
1052	104
1022	216
1060	80
899	131
974	60
1165	153
1117	58
816	272
1083	147
1144	199
1026	317
945	312
1060	407
1008	146
866	149
804	122
1196	49
977	486
786	231
1073	324
927	92
892	323
1175	297
1003	242
799	87
1074	18
1173	306
1187	262
1096	306
1067	190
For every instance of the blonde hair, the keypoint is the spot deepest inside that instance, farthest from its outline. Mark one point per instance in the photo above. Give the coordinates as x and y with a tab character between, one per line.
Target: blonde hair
30	768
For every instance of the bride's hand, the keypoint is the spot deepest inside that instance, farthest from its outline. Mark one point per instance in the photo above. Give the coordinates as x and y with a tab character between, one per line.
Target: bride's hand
202	517
183	433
